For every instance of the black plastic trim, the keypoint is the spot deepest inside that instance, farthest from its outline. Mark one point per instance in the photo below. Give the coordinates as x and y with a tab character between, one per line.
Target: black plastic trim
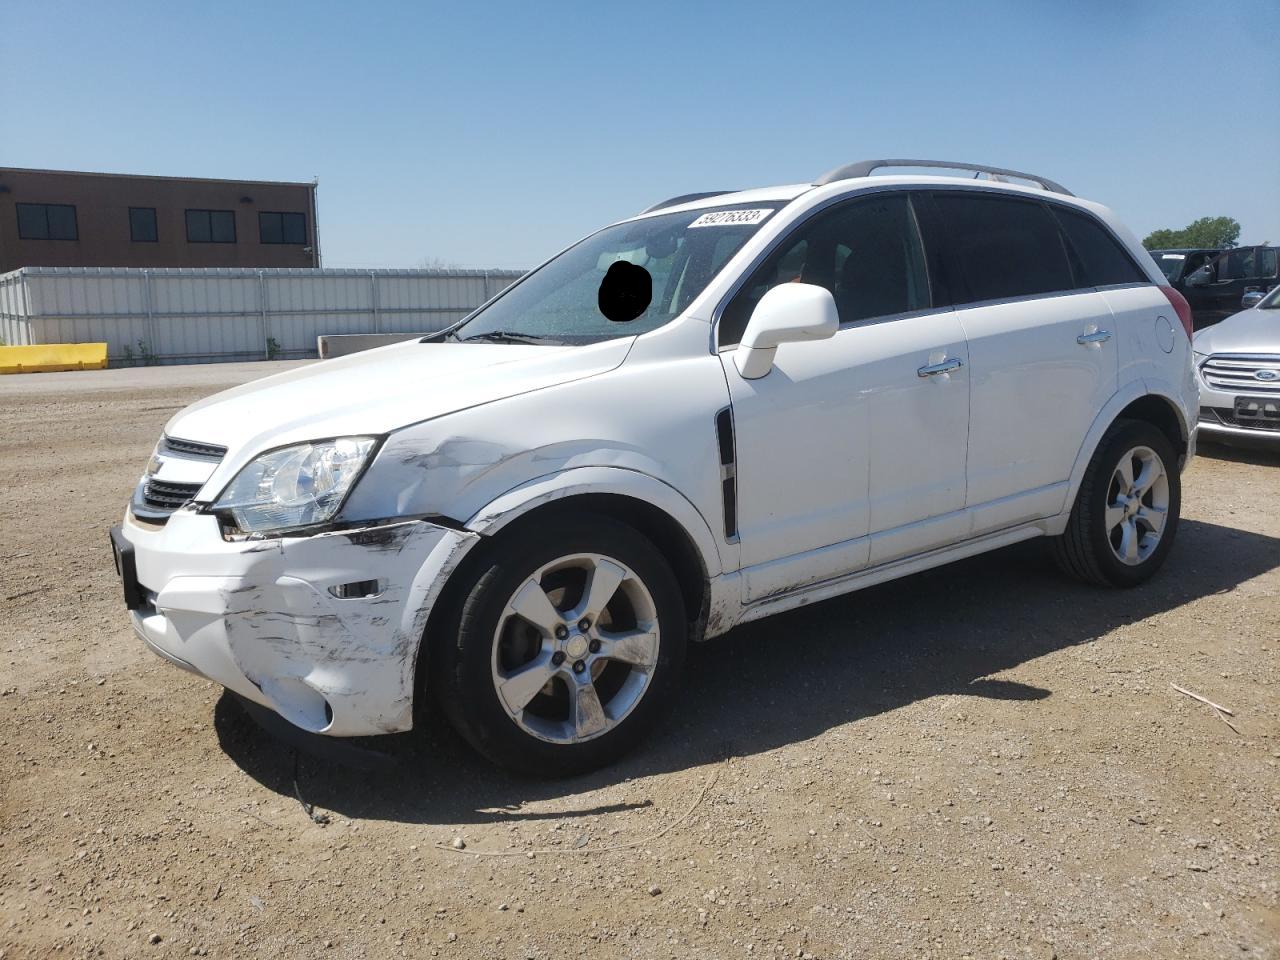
126	566
726	442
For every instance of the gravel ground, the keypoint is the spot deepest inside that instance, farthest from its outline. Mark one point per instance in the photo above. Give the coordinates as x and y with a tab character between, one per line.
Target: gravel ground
984	760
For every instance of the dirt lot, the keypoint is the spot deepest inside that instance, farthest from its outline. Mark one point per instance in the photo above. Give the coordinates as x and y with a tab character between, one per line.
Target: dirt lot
984	760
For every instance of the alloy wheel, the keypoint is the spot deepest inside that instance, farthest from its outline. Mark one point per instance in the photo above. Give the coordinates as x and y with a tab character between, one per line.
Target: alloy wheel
575	648
1137	505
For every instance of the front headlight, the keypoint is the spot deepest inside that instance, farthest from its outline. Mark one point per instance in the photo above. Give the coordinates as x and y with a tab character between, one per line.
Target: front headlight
295	486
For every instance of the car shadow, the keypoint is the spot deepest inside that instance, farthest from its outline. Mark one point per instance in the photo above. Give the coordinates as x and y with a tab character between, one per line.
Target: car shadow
1258	454
782	680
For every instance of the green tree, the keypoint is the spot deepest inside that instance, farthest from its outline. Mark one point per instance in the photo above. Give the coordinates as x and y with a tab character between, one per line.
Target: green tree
1205	232
1163	240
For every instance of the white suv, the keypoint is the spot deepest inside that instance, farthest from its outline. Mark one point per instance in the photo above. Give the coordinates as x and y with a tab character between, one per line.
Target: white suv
728	406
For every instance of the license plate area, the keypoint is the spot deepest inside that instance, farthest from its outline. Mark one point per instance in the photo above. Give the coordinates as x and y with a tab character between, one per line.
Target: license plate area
1258	412
126	567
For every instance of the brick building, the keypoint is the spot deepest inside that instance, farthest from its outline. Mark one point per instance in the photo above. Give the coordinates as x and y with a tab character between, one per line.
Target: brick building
57	218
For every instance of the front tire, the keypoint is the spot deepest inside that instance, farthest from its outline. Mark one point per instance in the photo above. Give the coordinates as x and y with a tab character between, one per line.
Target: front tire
564	647
1126	513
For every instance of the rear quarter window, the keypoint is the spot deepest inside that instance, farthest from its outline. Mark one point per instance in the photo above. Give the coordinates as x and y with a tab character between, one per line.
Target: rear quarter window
1005	247
1101	258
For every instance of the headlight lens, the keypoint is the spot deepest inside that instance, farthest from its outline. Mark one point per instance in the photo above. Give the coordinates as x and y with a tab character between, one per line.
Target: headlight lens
295	486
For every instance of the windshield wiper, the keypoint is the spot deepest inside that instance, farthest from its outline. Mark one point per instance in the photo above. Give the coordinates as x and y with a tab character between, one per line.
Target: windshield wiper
508	336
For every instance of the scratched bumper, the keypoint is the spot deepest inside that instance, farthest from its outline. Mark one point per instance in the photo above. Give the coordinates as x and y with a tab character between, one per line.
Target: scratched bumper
258	616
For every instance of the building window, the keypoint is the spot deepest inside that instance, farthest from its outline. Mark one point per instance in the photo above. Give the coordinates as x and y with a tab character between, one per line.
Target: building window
282	227
211	226
142	225
47	221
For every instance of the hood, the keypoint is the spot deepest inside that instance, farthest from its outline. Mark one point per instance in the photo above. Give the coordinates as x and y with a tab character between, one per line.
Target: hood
380	390
1249	331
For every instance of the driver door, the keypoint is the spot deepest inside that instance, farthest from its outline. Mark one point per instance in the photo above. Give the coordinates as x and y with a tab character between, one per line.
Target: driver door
1215	295
850	451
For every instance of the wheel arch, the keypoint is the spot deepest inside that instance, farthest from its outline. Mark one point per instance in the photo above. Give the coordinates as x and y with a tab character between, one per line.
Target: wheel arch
659	527
1160	412
1140	401
653	508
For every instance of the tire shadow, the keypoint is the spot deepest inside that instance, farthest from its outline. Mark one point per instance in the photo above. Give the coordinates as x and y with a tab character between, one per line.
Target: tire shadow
781	680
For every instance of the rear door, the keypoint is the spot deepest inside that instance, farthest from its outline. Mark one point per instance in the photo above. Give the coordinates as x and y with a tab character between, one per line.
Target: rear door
1042	352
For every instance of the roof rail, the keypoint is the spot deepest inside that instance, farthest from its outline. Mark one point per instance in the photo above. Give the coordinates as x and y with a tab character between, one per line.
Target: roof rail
685	198
864	168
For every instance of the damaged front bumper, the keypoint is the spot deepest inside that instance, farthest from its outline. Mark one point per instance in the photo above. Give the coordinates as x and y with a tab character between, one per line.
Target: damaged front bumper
322	629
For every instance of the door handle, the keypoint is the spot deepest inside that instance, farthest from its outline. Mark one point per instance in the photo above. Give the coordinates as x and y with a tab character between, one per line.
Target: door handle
946	366
1098	336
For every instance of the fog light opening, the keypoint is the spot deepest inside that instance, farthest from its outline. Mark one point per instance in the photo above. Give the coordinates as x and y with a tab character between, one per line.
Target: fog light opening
357	589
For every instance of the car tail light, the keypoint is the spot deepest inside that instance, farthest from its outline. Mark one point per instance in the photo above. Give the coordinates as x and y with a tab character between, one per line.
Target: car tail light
1180	305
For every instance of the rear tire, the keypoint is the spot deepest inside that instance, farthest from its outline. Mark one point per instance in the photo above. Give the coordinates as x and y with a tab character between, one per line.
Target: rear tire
563	647
1125	517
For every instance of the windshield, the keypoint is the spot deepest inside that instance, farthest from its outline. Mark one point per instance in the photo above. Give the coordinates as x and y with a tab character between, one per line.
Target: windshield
626	279
1271	301
1170	263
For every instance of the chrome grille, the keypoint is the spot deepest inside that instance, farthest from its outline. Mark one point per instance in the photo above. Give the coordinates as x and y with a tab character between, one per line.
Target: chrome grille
167	496
155	498
1237	372
192	448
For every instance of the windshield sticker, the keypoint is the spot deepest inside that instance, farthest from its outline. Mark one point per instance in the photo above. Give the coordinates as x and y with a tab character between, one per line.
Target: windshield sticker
726	218
1173	256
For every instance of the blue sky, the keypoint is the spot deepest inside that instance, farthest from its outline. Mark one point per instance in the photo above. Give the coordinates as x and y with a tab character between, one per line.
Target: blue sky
494	134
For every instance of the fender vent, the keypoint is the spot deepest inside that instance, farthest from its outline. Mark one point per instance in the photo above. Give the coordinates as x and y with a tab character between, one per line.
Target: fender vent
728	472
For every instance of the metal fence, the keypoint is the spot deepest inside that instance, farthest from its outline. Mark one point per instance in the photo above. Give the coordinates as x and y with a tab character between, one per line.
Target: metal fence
203	315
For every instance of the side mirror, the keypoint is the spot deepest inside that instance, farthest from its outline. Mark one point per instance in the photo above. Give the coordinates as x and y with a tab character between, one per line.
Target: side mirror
1201	277
1252	297
788	312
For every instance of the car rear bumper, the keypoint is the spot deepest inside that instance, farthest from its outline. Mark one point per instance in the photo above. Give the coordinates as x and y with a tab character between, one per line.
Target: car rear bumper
262	618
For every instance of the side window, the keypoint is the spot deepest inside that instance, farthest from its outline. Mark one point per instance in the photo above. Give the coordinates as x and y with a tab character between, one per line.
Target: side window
1195	261
1005	247
867	252
1267	262
1235	265
1100	255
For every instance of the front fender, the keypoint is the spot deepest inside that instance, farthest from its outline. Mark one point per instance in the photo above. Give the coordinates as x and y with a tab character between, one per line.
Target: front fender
617	481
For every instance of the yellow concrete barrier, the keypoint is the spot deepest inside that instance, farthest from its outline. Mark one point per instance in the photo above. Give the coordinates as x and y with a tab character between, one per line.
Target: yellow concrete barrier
47	357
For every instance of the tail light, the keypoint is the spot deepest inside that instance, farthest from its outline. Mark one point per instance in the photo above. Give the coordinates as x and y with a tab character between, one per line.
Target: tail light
1180	306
